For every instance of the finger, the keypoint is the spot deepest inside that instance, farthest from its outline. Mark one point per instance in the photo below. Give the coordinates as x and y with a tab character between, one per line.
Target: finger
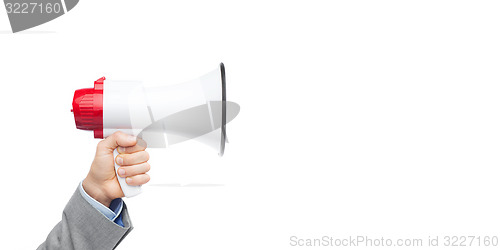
140	146
134	170
137	180
132	159
117	139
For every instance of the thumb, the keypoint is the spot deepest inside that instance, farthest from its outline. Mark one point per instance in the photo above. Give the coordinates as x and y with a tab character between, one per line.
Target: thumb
117	139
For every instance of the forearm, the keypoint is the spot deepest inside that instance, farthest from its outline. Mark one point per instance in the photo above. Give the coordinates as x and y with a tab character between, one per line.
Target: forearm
84	227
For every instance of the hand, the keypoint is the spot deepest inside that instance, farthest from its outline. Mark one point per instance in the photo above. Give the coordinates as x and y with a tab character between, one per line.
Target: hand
101	182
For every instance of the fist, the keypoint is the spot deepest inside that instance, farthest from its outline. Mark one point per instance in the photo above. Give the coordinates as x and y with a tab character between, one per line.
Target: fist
101	182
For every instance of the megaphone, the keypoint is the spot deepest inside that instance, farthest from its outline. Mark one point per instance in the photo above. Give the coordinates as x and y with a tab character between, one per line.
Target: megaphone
160	115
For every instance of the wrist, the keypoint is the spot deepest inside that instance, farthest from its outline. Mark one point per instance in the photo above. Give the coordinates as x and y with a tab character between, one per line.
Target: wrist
95	191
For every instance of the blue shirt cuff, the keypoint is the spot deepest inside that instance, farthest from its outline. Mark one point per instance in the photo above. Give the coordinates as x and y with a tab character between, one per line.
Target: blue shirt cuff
113	212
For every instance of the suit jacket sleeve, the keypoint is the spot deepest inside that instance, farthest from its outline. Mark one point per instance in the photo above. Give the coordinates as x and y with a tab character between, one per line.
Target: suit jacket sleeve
84	227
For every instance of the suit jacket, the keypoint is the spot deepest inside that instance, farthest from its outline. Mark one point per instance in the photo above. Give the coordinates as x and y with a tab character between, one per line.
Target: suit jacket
84	227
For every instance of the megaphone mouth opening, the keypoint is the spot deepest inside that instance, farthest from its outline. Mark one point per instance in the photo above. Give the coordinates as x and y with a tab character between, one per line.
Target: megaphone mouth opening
223	123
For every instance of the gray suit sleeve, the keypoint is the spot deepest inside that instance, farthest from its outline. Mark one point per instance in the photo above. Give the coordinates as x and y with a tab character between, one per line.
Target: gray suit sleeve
84	227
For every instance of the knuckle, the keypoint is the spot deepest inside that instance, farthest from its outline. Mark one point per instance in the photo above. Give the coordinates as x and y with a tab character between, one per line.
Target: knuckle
114	136
119	136
101	145
148	166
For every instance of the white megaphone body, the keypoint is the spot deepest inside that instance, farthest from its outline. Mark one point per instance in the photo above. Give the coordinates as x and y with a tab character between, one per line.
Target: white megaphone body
160	115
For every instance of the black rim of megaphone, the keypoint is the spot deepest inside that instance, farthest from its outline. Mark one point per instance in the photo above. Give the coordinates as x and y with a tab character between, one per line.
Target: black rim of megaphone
223	127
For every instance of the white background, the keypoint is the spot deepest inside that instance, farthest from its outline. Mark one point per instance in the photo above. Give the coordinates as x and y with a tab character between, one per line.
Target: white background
376	118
